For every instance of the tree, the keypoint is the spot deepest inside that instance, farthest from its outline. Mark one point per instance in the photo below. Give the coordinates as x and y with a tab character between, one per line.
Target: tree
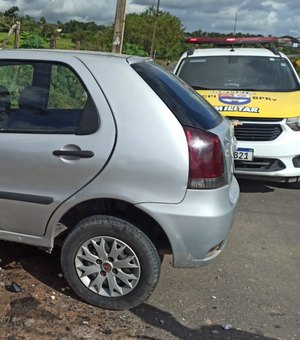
9	22
43	20
138	33
29	24
169	34
103	39
48	30
12	12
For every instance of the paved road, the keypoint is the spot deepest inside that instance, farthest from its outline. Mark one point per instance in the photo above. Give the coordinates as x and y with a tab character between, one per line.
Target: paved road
253	286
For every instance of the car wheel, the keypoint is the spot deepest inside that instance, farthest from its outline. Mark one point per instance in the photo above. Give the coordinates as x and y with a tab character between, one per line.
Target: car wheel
110	263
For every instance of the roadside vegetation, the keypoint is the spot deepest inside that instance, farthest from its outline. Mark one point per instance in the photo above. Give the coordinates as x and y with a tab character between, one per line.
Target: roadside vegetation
169	42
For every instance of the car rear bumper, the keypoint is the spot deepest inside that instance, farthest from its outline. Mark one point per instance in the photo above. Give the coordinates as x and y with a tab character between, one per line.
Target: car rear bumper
198	227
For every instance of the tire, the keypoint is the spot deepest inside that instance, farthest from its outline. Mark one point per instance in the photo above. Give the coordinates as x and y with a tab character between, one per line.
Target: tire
110	263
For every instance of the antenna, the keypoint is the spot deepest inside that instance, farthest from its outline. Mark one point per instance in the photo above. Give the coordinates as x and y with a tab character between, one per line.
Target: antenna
234	29
235	20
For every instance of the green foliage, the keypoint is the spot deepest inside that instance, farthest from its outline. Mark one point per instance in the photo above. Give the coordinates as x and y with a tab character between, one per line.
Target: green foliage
133	49
43	20
11	15
10	43
29	24
169	36
49	30
65	42
87	42
99	38
138	30
200	33
66	91
168	44
32	40
16	78
104	39
74	26
12	11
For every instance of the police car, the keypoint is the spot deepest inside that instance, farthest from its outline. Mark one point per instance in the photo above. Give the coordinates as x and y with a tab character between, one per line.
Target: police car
259	90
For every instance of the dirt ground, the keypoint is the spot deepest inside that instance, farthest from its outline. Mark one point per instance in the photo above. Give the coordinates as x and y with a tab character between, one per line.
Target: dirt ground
45	308
36	303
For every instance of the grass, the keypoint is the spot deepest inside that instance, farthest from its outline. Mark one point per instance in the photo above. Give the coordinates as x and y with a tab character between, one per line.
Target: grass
64	43
10	43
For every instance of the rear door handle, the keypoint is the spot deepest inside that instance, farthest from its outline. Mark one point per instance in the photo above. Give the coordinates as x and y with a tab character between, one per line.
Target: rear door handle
77	153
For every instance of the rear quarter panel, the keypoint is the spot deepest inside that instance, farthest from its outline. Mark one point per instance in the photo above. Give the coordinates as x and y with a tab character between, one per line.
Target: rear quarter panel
150	159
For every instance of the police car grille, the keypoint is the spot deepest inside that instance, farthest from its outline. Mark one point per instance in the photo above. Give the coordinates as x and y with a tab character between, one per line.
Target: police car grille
257	132
255	119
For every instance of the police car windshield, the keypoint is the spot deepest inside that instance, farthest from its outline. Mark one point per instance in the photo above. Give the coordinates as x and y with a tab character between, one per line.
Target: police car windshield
250	73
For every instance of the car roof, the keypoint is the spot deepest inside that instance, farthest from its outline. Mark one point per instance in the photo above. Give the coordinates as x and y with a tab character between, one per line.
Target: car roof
237	51
29	53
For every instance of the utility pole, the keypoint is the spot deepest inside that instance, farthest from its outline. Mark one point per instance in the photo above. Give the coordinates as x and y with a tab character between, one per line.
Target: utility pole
119	26
152	54
17	30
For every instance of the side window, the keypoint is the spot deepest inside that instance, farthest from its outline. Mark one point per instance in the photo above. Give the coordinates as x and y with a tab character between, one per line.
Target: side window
13	79
66	90
41	97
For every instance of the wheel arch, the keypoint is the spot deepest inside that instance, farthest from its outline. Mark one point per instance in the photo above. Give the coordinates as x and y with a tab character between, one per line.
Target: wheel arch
117	208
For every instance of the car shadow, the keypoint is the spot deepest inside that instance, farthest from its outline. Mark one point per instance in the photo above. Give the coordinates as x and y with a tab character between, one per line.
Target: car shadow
43	266
165	321
250	185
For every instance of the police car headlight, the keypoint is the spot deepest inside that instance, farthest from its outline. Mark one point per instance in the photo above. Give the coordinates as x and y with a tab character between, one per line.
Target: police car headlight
294	123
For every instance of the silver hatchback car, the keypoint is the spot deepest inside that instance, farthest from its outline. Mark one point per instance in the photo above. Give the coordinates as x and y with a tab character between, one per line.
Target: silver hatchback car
117	162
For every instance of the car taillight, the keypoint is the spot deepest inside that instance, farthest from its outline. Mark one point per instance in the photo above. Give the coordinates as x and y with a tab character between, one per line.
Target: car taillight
206	168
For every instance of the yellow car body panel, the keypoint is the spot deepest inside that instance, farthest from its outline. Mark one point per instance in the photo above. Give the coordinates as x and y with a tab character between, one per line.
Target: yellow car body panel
254	104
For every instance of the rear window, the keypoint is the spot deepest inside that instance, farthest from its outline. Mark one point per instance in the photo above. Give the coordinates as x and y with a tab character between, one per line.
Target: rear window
272	74
188	106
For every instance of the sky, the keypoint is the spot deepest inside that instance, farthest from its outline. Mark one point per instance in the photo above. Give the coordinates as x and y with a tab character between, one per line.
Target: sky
277	17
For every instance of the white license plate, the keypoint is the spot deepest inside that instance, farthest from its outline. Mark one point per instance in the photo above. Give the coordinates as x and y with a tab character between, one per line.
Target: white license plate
243	154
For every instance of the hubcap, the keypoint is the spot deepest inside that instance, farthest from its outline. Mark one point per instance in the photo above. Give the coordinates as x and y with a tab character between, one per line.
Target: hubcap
107	266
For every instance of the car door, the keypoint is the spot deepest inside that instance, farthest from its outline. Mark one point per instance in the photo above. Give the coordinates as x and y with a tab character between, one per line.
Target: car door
56	134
